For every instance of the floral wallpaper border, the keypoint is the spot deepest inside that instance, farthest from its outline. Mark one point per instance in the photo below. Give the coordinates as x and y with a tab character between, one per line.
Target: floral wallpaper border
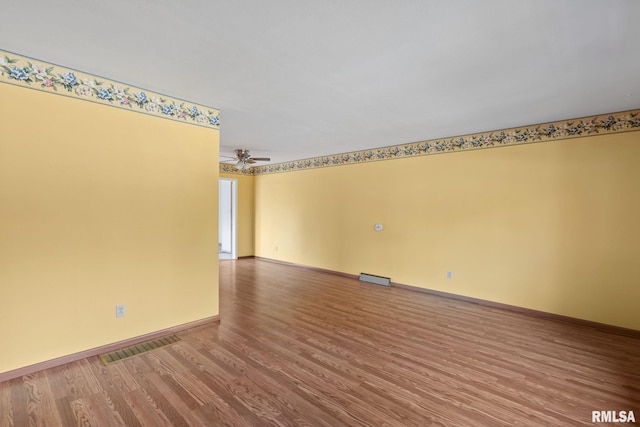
22	71
231	168
594	125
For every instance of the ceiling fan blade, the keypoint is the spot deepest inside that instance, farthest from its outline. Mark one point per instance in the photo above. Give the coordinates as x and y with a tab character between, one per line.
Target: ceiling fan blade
262	159
250	161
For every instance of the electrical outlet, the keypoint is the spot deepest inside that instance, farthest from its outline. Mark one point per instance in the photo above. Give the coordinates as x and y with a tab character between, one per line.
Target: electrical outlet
120	310
449	275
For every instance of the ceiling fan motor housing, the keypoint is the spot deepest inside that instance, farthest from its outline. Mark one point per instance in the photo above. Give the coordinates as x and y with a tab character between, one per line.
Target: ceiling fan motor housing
242	154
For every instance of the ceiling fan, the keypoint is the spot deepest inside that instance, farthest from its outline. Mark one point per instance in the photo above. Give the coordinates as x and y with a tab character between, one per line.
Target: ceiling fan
243	158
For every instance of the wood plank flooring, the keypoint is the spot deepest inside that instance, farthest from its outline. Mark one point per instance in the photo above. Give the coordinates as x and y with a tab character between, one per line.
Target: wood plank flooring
297	347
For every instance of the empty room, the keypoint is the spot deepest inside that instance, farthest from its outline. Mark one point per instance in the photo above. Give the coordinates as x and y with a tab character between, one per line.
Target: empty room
354	213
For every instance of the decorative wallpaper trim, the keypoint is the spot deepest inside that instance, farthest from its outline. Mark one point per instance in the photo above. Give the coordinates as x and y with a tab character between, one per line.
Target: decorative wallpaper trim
594	125
231	168
22	71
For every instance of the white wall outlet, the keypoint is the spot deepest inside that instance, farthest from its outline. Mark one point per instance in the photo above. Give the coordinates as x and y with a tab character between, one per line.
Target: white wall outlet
120	310
449	275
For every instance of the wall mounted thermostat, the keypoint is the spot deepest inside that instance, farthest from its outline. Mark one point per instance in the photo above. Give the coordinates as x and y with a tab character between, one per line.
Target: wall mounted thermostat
378	227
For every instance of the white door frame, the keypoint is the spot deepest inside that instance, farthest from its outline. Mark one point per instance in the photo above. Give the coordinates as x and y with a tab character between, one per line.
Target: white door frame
234	219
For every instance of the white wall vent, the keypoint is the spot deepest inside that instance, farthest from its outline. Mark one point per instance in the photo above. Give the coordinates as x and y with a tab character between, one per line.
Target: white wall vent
377	280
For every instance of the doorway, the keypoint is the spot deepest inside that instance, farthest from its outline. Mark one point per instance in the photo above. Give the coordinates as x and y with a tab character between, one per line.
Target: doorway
227	218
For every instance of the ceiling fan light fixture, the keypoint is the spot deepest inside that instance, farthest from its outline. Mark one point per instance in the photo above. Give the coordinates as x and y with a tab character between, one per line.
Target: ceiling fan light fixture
243	159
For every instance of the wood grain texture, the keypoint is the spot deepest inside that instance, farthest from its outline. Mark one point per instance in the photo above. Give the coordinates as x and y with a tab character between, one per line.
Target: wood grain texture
297	347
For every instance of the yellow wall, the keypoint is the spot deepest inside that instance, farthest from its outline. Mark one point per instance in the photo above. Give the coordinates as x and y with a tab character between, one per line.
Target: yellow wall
100	206
549	226
246	210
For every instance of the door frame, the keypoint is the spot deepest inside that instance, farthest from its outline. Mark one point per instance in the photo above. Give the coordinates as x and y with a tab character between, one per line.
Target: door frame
234	218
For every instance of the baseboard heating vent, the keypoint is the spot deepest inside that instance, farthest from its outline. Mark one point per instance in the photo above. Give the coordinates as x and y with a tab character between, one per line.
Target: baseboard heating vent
376	280
134	350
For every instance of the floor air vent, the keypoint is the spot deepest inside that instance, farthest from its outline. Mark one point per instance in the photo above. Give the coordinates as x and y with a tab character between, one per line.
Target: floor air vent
134	350
377	280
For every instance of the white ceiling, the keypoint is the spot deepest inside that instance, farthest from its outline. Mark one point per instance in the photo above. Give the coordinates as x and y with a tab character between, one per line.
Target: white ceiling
296	79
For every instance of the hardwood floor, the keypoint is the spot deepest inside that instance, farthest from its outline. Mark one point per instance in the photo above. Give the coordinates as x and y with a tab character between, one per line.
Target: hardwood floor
300	347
